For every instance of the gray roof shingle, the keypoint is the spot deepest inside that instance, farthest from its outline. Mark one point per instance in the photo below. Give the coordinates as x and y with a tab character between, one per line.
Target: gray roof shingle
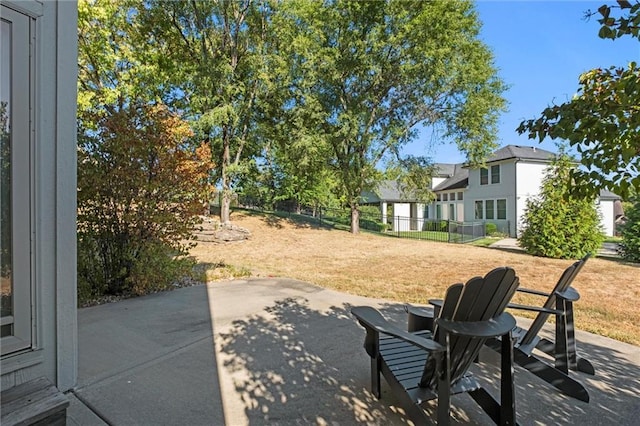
522	153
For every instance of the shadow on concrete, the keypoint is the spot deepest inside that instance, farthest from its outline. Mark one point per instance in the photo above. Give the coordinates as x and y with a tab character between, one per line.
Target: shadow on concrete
297	365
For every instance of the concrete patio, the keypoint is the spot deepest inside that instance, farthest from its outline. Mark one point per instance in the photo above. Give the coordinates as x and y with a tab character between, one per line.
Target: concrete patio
279	351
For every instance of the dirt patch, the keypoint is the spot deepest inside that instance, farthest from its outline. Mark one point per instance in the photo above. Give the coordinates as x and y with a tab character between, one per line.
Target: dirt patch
414	271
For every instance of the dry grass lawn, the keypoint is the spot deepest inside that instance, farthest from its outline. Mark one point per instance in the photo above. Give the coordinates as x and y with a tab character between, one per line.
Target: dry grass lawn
414	271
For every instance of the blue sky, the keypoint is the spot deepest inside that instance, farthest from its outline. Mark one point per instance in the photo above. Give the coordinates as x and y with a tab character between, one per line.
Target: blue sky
540	49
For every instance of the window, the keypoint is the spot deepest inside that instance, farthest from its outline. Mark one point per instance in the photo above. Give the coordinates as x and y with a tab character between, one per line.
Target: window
452	212
478	210
438	197
15	181
484	177
495	174
452	196
438	211
502	208
488	209
445	197
460	196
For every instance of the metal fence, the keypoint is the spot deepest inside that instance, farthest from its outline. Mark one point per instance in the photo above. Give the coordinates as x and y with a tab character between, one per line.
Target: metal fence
393	226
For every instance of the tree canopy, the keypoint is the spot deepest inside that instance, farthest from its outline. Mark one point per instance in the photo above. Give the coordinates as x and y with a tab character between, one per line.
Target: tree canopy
368	73
299	97
602	121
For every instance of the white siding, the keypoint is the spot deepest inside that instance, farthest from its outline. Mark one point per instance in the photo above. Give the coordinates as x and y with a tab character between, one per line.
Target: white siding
401	215
437	181
607	219
528	184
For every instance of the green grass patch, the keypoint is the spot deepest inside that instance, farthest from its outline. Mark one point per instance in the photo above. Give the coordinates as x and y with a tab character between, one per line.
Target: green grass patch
424	235
612	239
485	242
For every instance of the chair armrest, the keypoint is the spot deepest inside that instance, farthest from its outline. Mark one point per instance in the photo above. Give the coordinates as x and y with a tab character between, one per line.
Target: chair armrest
494	327
535	309
531	291
436	302
372	319
569	294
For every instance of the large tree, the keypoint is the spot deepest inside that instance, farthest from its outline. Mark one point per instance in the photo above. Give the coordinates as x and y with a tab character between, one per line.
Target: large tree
602	121
222	51
371	72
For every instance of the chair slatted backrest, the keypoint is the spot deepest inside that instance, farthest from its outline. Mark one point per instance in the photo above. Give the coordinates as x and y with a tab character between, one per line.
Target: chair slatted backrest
563	284
480	299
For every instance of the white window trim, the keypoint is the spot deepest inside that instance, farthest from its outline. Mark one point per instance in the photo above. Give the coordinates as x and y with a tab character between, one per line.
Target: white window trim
489	175
22	191
491	182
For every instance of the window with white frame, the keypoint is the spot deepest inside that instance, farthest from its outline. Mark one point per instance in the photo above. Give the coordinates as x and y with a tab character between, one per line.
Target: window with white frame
488	209
501	209
452	212
479	210
490	175
484	176
495	174
16	76
491	209
460	196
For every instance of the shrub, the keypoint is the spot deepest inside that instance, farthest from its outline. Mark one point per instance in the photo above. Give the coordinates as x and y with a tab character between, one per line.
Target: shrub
630	246
557	223
141	189
490	228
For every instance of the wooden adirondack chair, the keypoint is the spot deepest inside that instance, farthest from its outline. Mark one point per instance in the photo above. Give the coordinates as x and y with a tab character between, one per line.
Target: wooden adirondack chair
559	303
423	366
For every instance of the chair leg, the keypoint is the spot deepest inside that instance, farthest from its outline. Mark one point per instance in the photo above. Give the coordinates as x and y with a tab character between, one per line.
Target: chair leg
443	365
561	352
563	382
507	382
576	363
571	338
375	376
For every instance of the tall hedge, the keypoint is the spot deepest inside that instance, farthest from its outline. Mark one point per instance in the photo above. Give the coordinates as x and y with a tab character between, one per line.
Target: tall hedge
557	223
631	233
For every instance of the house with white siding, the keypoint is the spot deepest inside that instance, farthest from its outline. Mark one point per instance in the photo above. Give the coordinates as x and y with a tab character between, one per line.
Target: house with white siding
495	194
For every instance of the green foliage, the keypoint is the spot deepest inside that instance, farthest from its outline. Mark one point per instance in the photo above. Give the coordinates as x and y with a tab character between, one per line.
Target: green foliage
490	228
223	52
602	122
558	223
631	233
366	74
141	187
628	23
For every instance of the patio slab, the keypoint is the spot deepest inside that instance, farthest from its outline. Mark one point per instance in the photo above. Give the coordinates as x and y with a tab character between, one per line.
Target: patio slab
280	351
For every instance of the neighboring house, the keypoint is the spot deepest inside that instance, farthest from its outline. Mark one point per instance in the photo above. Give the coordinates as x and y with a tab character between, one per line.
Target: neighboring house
495	194
498	193
406	212
610	206
38	75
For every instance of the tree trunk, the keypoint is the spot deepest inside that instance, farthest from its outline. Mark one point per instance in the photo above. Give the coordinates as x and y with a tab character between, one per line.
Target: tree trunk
226	191
225	208
355	219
